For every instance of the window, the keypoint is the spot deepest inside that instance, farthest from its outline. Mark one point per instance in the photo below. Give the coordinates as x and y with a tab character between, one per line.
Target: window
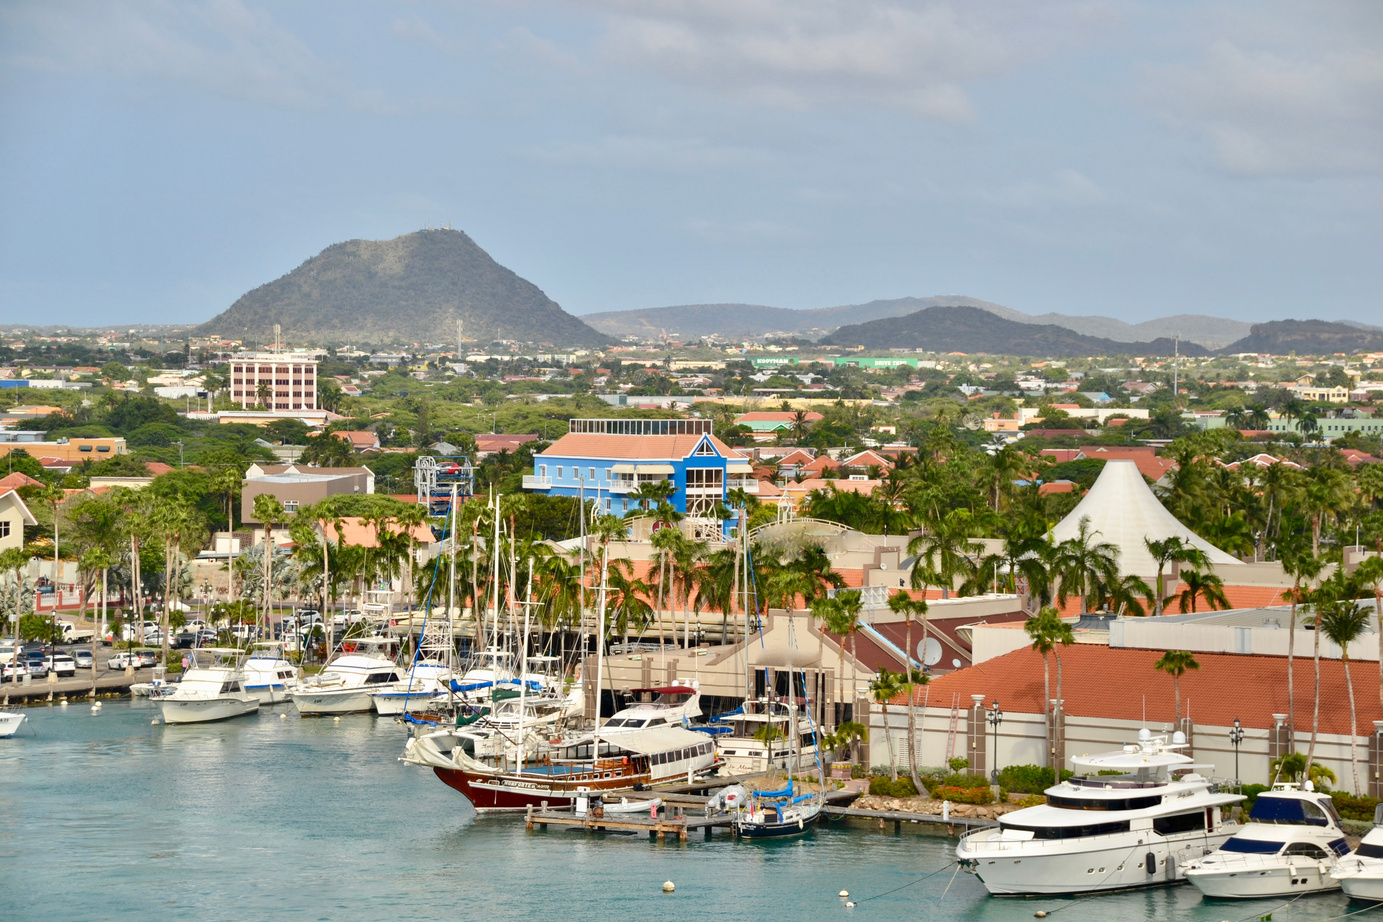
607	504
559	472
1305	849
1071	832
705	448
290	505
4	528
542	471
592	477
1182	822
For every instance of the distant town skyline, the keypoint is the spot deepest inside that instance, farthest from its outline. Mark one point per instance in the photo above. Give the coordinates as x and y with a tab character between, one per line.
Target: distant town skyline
1132	159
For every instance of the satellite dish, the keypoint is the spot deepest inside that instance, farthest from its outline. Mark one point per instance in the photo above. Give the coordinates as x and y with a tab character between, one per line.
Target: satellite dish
929	652
955	664
971	421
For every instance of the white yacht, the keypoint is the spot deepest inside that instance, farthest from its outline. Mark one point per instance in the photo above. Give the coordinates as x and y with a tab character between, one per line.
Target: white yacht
268	674
10	722
1135	828
766	735
1360	873
347	685
212	688
1289	847
671	705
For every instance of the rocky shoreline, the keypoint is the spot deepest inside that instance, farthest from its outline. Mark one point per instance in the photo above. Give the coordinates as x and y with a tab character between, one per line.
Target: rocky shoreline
927	806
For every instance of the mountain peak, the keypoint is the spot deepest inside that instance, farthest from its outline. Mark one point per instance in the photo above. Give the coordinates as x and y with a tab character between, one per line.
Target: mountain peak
411	288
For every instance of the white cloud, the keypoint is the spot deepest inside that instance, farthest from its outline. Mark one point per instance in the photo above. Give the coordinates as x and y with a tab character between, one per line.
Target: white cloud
736	232
221	47
800	54
1304	96
651	153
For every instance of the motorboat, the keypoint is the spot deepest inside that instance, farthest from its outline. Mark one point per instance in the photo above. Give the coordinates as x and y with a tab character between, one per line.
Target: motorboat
777	814
347	684
1129	818
157	686
268	674
10	722
673	705
212	688
426	680
1360	873
768	734
1289	847
498	774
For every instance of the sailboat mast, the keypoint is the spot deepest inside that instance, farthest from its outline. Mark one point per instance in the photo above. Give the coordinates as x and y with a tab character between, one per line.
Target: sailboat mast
494	575
523	657
748	674
600	633
451	588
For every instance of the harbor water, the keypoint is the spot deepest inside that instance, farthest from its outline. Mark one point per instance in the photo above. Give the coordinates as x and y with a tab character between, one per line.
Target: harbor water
107	816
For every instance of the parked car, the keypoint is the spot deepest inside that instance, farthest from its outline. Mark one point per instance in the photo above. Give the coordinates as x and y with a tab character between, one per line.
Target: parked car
147	657
37	663
82	658
62	664
123	659
245	632
11	671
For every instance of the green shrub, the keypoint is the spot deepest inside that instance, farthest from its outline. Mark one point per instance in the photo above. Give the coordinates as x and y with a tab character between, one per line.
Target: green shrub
960	780
964	795
1032	800
959	764
883	787
1354	808
1030	779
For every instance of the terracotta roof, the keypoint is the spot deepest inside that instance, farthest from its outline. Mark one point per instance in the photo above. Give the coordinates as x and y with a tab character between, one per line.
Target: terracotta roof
1060	455
821	463
868	458
1149	465
356	531
797	456
1116	684
157	467
16	480
1056	486
634	447
776	416
502	441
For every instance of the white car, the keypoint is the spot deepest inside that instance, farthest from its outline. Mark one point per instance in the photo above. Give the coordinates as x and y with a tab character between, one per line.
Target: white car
11	670
121	660
62	664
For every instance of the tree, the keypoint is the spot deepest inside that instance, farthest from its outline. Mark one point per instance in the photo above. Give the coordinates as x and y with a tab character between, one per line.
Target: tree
885	687
1291	767
1205	585
1333	592
1047	631
1327	491
654	492
326	450
1175	663
944	553
269	511
1343	621
1084	564
15	560
904	604
1369	576
1298	561
1168	551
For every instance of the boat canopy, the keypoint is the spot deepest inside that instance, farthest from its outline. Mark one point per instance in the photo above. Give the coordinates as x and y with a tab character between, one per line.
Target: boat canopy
654	739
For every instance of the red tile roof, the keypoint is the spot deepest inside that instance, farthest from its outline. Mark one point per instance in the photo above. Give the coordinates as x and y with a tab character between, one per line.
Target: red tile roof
1149	465
776	416
1117	684
16	480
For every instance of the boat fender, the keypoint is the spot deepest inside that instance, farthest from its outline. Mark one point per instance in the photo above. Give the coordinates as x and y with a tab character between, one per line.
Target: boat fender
799	822
1292	870
625	760
1152	863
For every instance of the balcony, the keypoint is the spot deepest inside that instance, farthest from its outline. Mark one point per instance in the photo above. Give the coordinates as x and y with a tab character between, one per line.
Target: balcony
534	482
748	485
621	487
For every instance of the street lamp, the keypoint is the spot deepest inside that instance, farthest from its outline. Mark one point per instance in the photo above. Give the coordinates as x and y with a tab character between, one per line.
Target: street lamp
1236	738
995	718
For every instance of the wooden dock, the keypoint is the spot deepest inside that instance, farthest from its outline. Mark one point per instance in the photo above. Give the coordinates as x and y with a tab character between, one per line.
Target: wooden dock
898	818
672	819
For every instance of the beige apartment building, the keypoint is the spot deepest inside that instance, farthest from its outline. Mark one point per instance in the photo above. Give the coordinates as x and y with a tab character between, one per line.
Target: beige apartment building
280	381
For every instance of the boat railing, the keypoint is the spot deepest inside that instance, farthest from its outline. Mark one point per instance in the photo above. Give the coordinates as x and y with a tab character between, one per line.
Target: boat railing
1114	782
972	841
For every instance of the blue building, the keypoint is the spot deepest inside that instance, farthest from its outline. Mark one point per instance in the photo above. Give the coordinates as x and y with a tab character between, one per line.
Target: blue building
606	460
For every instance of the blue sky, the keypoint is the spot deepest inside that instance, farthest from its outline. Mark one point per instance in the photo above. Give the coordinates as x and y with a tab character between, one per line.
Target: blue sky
160	158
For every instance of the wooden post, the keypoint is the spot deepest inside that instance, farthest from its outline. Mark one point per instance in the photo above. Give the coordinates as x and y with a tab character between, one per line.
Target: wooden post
528	818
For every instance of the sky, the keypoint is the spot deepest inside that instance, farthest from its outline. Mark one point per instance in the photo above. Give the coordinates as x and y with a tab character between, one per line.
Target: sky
159	158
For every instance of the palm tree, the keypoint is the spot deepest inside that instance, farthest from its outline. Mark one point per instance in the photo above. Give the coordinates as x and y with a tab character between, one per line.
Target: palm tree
1343	621
1369	575
1046	629
1005	465
1084	564
1168	551
1298	561
1332	592
944	553
1202	585
885	687
1327	491
174	519
655	492
907	606
1175	663
1291	767
841	615
1127	594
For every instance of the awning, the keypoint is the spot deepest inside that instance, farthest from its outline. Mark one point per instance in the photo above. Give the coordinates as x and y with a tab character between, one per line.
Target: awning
656	469
622	469
739	467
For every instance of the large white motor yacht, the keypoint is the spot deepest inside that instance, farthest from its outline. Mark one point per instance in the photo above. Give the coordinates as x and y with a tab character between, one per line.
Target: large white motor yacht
268	674
670	705
1360	873
1288	847
1137	827
345	686
213	688
766	735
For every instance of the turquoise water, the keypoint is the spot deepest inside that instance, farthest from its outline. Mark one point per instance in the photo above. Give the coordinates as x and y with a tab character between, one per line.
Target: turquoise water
108	817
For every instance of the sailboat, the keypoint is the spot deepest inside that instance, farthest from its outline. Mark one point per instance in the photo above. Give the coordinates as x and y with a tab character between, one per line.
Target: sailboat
788	811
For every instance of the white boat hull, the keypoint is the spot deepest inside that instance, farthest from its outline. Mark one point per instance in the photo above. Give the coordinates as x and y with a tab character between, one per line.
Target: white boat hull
205	710
333	701
1255	881
10	722
392	704
270	694
1358	884
1119	864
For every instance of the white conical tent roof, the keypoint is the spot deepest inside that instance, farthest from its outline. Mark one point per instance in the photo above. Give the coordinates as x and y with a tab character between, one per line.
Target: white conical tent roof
1123	511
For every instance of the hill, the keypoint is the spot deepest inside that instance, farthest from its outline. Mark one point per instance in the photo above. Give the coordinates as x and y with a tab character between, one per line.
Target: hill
971	329
1310	337
693	321
413	288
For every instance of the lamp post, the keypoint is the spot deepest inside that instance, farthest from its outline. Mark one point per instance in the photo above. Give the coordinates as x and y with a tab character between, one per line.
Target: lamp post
1236	738
995	717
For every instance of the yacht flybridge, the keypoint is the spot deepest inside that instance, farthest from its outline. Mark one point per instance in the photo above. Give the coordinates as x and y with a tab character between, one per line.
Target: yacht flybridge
668	706
1129	818
1288	847
1360	873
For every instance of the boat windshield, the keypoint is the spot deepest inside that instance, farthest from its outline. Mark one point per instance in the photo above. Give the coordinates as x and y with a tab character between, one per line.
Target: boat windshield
1251	846
1122	803
1287	811
1070	832
1369	850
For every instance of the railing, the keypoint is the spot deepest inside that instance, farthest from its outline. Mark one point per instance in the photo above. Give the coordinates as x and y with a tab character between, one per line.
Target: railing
748	485
534	482
622	486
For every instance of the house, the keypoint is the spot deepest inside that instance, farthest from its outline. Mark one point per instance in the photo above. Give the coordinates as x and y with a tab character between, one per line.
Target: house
867	459
609	460
295	487
14	515
72	449
1144	456
360	440
16	480
771	424
494	443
